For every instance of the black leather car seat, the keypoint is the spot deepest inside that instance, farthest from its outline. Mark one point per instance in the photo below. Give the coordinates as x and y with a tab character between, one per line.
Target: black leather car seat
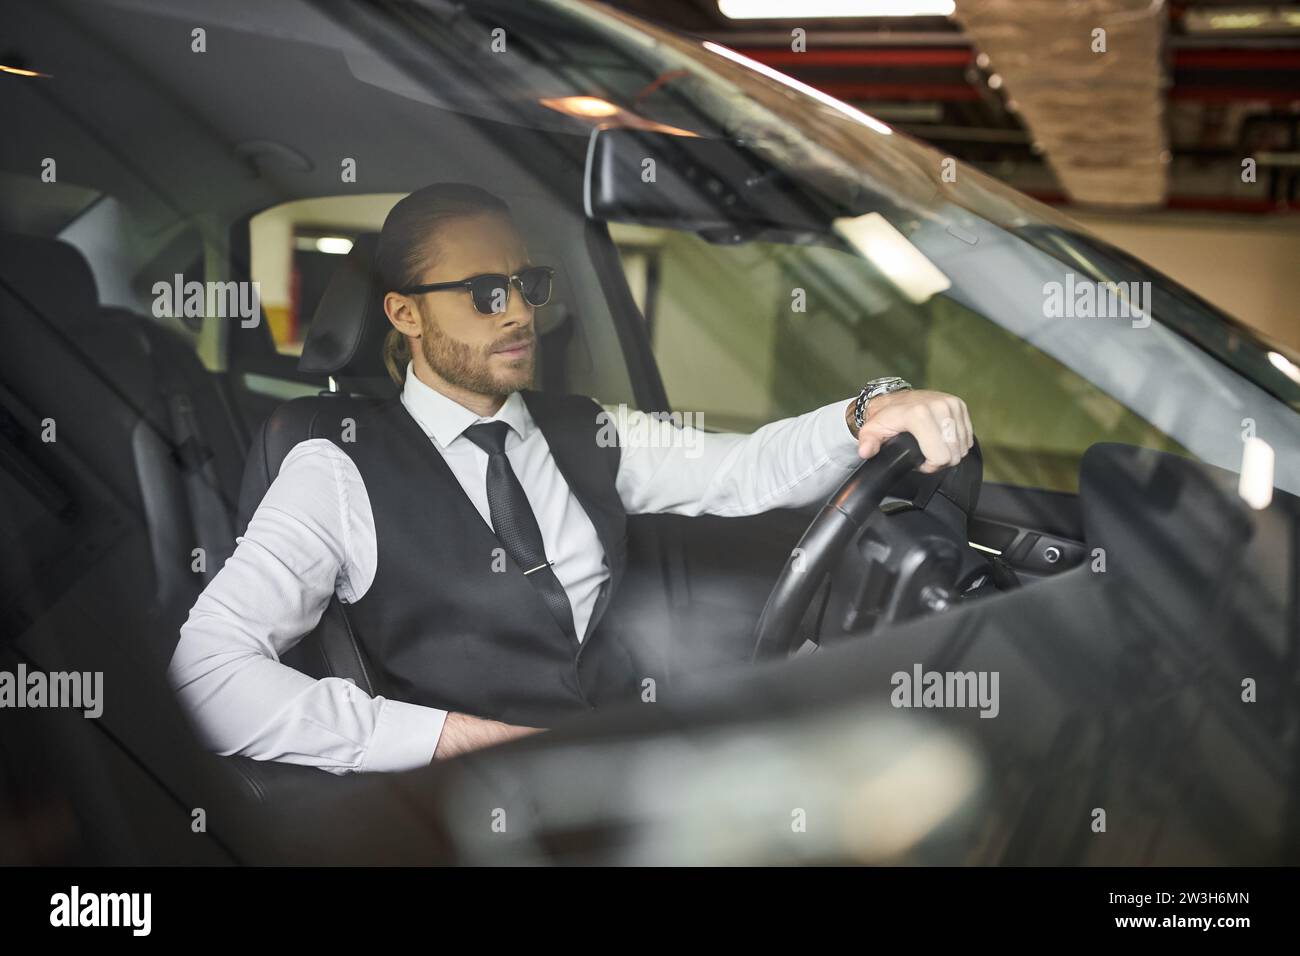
144	467
345	342
133	398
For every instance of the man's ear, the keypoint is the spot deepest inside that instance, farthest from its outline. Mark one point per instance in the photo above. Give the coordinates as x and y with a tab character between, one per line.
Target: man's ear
402	313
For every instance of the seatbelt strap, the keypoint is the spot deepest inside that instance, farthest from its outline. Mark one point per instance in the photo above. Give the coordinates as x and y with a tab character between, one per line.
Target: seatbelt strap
209	515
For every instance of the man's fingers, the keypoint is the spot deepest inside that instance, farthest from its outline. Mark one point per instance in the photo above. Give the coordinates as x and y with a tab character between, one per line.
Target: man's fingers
962	414
952	428
946	423
940	423
955	422
927	428
868	442
961	420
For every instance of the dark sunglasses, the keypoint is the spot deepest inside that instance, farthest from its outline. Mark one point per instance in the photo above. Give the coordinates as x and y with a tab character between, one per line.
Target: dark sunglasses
491	291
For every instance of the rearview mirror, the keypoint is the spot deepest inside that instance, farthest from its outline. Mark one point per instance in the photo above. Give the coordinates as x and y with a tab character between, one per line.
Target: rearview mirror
710	186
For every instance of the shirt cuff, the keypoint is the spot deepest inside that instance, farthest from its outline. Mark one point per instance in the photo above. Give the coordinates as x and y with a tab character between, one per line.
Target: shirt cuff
834	437
405	737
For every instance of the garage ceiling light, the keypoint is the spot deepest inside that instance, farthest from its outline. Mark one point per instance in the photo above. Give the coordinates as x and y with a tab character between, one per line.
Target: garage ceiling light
894	255
1242	20
585	106
603	113
19	71
334	245
796	10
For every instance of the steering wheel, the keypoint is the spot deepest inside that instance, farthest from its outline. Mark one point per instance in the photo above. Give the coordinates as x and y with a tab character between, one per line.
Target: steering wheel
844	518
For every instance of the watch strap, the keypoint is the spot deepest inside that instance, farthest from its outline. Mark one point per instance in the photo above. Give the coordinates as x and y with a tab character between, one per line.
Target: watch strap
874	388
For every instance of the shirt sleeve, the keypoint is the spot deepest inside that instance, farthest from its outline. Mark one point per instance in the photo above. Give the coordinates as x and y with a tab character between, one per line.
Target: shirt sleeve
298	549
667	468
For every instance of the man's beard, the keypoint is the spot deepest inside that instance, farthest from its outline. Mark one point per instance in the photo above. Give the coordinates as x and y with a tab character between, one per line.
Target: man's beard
466	367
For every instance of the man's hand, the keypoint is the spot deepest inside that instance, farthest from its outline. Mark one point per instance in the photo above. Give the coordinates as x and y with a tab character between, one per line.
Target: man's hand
939	422
462	733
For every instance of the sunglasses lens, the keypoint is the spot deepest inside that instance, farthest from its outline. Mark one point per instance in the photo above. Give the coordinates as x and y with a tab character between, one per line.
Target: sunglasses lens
535	284
490	294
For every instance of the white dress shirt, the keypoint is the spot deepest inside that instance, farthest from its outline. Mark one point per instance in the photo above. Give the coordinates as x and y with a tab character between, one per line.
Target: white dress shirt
313	536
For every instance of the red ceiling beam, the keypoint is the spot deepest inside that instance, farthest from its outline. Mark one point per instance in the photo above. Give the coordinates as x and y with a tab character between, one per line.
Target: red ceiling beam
839	56
891	92
1233	94
961	57
1237	59
1228	204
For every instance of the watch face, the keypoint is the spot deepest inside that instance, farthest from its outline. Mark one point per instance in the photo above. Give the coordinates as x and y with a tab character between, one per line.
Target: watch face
884	380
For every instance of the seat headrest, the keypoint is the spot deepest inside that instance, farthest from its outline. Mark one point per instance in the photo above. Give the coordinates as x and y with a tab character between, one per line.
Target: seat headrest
346	337
50	275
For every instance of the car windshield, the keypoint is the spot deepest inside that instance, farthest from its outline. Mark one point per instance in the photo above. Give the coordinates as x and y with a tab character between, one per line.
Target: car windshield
899	260
1166	356
192	198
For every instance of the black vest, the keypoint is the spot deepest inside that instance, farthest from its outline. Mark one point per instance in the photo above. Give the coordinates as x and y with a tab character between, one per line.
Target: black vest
450	621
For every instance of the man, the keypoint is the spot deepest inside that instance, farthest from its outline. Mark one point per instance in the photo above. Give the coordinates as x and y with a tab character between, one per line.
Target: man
474	529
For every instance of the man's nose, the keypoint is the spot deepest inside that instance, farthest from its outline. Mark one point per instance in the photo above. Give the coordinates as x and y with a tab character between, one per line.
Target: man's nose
518	311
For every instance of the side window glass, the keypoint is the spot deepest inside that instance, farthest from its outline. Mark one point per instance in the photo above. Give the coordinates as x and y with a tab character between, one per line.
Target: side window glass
294	249
746	334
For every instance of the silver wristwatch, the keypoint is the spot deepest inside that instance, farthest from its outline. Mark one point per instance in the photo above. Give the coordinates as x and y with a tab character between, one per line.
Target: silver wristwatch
877	386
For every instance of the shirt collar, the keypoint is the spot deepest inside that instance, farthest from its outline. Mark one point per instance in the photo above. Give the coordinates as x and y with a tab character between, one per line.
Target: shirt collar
444	419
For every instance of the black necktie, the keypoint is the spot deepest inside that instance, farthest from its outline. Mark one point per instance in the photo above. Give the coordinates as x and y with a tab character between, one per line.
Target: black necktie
516	525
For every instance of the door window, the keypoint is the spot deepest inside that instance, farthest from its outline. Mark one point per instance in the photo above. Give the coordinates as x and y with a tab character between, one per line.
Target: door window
749	333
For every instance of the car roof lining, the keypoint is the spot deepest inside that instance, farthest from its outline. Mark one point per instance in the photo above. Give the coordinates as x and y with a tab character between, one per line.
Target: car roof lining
156	90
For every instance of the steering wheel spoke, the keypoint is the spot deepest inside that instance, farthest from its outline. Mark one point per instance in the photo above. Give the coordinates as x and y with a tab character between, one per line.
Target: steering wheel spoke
890	566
